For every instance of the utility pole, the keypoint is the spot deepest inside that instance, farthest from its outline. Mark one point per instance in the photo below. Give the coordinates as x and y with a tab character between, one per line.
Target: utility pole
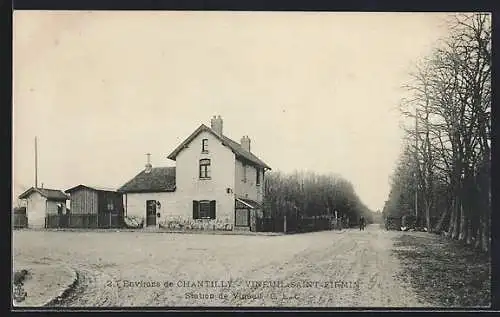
36	164
416	165
284	223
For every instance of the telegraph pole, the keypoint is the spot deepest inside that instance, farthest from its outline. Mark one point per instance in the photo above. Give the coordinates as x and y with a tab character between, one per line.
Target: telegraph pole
416	165
36	164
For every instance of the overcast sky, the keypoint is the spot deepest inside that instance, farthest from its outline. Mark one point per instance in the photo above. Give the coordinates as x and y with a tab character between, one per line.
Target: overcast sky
313	91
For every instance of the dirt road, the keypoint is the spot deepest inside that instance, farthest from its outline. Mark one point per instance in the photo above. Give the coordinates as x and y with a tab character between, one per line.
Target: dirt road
349	268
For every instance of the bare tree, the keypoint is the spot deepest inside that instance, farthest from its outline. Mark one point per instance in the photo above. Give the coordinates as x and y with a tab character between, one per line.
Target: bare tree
450	100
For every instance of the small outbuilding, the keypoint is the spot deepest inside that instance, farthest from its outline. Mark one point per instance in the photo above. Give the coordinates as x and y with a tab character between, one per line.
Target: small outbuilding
95	207
41	203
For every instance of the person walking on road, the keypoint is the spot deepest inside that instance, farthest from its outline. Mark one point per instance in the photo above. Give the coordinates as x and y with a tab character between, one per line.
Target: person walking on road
362	223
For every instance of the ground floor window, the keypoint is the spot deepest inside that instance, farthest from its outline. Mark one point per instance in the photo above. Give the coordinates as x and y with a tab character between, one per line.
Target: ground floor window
204	209
110	204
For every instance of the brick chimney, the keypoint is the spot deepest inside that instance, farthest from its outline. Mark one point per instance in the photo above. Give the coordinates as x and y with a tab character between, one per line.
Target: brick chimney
245	142
216	124
148	166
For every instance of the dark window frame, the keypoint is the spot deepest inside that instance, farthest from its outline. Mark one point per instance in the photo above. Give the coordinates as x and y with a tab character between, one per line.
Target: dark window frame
109	203
151	203
204	146
258	181
204	169
204	214
209	213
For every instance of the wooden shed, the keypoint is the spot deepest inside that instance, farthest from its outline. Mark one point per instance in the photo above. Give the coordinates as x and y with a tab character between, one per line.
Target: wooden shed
95	207
43	206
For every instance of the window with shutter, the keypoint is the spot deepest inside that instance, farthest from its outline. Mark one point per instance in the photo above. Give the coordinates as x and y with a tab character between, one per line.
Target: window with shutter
196	210
204	211
212	209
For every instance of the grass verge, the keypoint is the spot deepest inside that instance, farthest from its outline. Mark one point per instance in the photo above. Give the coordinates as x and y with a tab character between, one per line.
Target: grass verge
43	283
444	272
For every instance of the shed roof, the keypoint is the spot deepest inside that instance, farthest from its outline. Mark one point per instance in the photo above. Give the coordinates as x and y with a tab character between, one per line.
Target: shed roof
237	149
243	203
50	194
159	179
95	188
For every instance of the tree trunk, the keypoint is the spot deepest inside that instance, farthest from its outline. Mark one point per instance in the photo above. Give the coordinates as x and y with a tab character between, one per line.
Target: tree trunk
469	238
462	235
455	219
439	225
428	216
477	242
485	237
451	225
486	197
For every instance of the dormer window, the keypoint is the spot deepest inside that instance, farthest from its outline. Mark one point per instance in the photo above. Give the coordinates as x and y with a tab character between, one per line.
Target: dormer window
204	146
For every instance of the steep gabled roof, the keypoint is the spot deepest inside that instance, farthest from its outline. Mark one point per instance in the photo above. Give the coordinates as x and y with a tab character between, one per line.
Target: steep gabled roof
96	188
159	179
239	151
50	194
242	153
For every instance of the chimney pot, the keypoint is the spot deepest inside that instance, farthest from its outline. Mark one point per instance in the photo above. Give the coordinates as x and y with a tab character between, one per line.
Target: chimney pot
245	142
217	124
148	165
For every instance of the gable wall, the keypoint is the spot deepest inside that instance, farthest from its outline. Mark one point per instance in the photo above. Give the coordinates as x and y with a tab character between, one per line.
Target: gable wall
84	201
35	210
190	187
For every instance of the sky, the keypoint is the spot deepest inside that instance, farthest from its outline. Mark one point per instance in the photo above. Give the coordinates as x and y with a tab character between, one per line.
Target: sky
313	91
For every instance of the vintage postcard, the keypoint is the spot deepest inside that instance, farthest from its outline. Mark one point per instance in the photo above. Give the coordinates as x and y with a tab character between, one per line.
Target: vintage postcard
251	159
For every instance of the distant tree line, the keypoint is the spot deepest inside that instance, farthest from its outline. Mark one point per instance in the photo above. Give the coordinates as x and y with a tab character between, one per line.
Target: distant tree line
446	157
308	194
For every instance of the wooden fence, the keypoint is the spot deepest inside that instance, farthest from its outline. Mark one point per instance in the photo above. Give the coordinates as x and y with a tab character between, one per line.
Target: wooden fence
411	222
294	224
87	221
19	219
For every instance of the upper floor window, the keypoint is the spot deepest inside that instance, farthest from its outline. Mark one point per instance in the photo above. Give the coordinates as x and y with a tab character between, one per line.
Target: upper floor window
244	173
257	181
204	168
204	145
